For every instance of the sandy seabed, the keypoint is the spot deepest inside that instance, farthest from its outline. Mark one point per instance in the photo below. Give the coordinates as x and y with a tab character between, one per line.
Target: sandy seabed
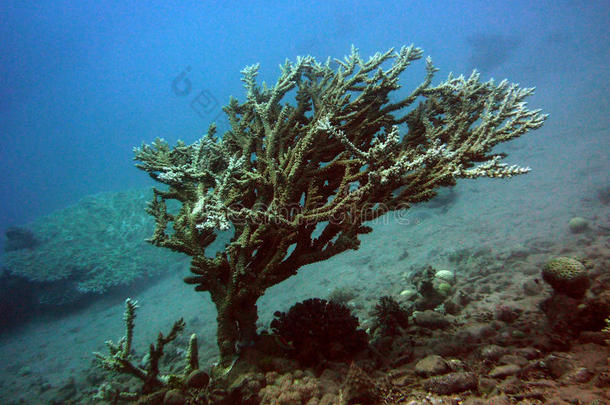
516	225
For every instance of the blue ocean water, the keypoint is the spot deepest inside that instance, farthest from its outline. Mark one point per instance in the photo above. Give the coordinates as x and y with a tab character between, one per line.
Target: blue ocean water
82	83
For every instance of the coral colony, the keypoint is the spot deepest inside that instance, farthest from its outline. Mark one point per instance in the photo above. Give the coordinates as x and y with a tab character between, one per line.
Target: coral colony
305	164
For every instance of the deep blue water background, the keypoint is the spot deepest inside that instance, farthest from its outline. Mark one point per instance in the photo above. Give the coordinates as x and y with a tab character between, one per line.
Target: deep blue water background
83	82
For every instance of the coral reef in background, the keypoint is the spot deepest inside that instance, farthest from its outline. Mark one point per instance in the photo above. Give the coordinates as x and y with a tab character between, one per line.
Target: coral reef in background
296	181
94	245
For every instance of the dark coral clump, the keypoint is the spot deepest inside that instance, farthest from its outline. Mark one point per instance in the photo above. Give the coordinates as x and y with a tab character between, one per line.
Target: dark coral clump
390	317
317	330
431	297
18	238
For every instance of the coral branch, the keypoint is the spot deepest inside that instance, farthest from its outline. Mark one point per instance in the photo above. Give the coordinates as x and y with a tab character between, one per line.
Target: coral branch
120	359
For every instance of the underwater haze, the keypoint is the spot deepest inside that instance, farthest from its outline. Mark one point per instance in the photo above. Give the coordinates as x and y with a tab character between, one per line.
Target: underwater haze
83	83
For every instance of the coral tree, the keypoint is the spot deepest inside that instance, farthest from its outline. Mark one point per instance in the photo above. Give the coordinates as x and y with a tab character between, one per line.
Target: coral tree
308	160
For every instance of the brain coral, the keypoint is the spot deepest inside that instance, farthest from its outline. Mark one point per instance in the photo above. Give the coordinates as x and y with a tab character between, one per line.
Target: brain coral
567	276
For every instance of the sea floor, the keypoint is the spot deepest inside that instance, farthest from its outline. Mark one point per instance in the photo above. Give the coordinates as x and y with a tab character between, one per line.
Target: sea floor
495	235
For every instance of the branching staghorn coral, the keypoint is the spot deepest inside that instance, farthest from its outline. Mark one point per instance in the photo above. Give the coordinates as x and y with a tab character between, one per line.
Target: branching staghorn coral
120	360
344	152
